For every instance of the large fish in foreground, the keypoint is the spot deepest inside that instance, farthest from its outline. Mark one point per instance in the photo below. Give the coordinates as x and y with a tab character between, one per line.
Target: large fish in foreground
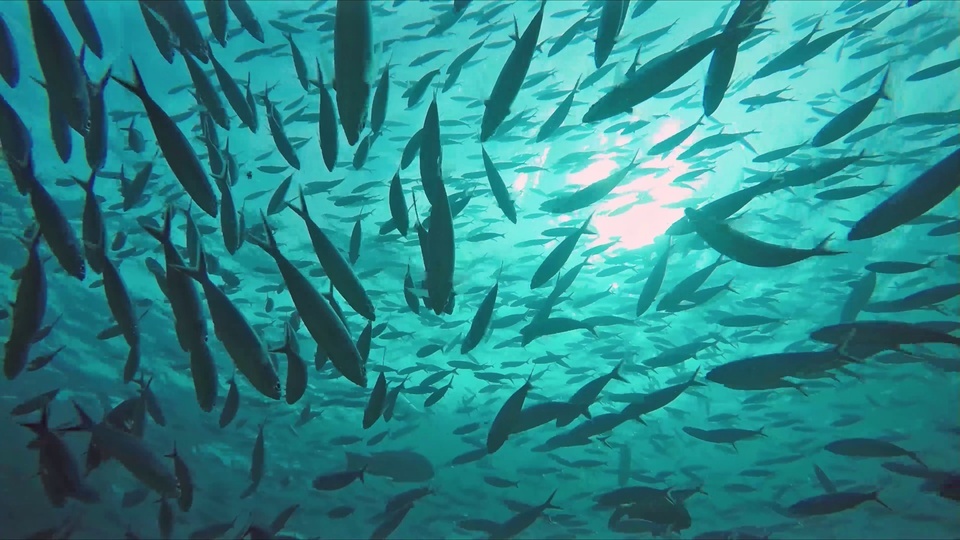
353	65
176	148
650	79
912	200
323	323
9	61
63	75
241	341
747	250
511	77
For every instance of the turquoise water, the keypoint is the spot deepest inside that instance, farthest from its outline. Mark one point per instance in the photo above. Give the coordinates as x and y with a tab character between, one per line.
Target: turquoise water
438	436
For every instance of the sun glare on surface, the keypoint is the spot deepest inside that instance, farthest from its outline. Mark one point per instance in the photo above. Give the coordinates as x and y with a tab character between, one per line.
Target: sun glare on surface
634	212
638	210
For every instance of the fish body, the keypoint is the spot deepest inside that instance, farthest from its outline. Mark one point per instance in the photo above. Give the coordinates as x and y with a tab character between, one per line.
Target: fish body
28	310
750	251
63	75
510	79
912	200
318	316
353	65
238	337
177	150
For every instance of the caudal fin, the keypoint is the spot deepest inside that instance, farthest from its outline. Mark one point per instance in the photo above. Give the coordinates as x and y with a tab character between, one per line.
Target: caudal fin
884	90
875	497
821	248
134	85
86	423
161	235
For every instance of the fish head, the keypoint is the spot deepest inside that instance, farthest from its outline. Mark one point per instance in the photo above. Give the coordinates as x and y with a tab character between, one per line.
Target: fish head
353	113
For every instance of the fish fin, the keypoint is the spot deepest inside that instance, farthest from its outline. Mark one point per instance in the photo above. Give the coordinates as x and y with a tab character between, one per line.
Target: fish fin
200	272
821	248
549	501
86	423
875	496
884	90
913	456
134	85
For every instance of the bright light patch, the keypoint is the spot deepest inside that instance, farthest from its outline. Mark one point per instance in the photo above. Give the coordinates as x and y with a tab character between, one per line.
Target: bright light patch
525	180
638	203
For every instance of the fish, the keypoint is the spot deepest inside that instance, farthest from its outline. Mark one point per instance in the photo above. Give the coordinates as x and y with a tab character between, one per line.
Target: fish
558	257
652	78
481	320
9	59
63	75
507	419
329	133
510	80
334	265
851	117
231	327
911	201
296	384
750	251
181	23
831	503
299	63
216	11
499	188
320	319
353	65
57	231
231	90
132	453
176	149
612	17
247	19
27	312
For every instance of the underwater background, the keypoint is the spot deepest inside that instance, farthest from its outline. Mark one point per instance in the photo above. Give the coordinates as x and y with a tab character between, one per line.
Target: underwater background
692	458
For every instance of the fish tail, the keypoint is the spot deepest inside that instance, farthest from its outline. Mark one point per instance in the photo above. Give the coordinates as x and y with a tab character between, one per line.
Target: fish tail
285	348
884	89
136	84
200	272
82	183
161	235
616	372
302	211
41	426
549	502
875	496
821	248
86	423
132	365
729	288
913	456
270	245
363	470
106	78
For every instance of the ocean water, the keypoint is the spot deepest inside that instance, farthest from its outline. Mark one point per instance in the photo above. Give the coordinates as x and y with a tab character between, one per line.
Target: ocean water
868	420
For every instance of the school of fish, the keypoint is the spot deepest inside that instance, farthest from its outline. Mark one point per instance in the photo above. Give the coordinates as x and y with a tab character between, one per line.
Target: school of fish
718	243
